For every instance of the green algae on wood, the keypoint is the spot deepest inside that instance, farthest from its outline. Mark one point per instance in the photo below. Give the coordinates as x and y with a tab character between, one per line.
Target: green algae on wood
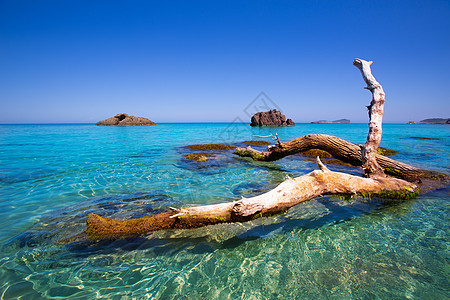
290	192
405	193
255	156
259	157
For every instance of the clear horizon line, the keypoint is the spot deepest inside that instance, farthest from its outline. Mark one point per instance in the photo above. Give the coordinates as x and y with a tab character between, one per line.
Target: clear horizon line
186	122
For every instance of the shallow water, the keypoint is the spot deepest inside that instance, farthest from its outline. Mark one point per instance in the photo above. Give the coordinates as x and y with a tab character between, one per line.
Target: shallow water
53	176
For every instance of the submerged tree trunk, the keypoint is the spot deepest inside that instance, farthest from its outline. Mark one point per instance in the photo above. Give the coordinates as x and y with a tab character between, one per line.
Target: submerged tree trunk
289	193
341	149
292	191
373	164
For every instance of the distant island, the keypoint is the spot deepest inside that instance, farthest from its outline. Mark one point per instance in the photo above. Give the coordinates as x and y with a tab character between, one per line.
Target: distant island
432	121
270	118
125	120
345	121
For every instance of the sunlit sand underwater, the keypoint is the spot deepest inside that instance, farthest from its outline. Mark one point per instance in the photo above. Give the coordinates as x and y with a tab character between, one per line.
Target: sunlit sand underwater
53	176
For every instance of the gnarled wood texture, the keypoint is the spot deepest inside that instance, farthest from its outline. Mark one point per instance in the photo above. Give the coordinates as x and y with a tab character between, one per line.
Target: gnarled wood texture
340	149
289	193
376	109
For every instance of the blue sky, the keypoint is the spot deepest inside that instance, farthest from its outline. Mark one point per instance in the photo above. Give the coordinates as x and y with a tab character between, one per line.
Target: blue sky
193	61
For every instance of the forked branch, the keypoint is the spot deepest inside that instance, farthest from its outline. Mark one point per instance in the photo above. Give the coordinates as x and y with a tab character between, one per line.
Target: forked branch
341	149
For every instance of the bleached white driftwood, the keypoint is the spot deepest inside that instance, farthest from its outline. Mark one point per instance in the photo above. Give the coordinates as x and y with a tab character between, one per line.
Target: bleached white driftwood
376	110
289	193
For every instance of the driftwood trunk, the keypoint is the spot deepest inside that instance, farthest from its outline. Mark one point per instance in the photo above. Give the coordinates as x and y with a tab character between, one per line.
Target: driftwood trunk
341	149
292	191
376	109
289	193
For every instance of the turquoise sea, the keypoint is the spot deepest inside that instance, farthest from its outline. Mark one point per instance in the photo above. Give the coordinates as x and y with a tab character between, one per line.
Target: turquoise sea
53	176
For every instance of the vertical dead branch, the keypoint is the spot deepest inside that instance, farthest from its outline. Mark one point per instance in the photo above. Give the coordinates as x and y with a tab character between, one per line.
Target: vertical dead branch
376	108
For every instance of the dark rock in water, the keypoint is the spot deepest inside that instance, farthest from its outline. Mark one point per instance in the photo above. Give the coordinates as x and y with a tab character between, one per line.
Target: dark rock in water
344	121
422	138
316	152
257	143
386	152
125	120
211	147
289	122
435	121
203	156
270	118
198	157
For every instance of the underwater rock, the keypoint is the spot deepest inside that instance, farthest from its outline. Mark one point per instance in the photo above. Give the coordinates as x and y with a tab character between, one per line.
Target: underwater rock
316	152
422	138
203	156
211	147
386	152
270	118
256	143
125	120
198	157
